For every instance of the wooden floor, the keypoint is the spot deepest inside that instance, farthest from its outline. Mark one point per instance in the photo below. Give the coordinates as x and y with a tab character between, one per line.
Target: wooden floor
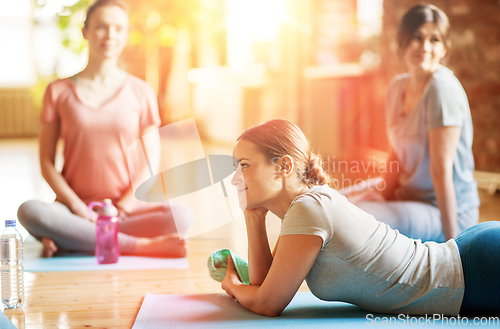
100	299
112	299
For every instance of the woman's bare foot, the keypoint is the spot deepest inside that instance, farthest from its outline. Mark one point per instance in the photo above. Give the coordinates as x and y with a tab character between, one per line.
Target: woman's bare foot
169	246
49	247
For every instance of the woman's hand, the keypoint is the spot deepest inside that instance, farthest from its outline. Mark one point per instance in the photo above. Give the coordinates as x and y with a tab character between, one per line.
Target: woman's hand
122	214
294	258
231	279
49	134
79	208
259	253
128	203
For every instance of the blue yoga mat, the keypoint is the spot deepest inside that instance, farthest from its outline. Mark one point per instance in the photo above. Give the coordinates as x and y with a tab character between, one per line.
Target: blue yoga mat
304	311
5	323
89	263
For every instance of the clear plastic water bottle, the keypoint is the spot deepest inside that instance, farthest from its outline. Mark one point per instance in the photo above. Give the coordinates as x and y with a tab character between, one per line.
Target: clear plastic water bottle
12	266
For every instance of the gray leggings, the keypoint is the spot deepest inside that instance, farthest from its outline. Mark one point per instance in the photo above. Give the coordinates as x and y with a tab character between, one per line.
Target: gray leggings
74	233
416	220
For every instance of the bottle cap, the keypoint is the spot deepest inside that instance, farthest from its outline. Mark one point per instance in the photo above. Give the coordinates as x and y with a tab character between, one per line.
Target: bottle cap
10	223
108	209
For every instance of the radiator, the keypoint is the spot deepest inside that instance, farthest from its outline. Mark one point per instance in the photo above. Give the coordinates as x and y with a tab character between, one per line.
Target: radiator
18	113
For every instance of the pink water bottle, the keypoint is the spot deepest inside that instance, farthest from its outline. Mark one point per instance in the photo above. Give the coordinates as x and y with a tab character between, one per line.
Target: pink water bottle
107	250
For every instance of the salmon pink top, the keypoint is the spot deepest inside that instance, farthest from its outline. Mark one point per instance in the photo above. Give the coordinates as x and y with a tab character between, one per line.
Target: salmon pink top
96	139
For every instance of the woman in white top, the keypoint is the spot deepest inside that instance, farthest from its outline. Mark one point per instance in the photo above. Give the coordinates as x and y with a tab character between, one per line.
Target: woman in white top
342	252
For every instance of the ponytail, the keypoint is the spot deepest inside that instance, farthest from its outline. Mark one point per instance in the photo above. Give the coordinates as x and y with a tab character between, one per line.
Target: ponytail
315	173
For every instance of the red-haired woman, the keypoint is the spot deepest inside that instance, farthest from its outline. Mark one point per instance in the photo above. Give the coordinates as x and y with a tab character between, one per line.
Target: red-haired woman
342	252
99	113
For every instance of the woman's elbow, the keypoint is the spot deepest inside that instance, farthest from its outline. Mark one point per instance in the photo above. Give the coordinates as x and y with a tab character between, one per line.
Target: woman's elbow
273	314
269	311
45	170
442	181
441	172
269	308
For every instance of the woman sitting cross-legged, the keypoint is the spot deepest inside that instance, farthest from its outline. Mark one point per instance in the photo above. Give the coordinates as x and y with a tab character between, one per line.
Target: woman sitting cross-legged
342	252
99	113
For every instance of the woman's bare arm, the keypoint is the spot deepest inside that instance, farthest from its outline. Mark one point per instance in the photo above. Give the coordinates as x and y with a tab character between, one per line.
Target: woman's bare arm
128	202
49	135
390	176
443	143
259	253
295	255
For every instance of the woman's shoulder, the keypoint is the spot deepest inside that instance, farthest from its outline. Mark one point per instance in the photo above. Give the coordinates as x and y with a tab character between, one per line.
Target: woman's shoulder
444	74
140	88
318	191
60	84
398	79
395	86
444	82
138	84
308	214
444	77
59	87
315	197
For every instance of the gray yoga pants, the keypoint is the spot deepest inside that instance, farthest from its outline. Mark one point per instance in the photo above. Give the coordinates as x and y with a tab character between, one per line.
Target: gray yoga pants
416	220
74	233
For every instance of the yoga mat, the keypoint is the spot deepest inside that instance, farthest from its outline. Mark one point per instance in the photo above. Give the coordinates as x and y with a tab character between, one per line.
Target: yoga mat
89	263
5	323
220	311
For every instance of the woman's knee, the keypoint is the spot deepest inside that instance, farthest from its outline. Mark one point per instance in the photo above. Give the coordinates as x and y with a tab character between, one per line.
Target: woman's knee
35	215
29	212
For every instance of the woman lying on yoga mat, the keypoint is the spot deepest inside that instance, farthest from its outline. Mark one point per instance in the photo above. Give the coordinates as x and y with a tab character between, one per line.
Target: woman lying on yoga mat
99	113
342	252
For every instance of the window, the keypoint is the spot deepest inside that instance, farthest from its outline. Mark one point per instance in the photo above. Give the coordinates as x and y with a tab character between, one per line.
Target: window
31	42
16	61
